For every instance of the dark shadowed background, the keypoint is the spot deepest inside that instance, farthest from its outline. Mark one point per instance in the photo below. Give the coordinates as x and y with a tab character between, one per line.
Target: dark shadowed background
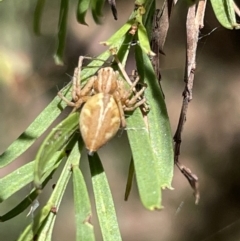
29	80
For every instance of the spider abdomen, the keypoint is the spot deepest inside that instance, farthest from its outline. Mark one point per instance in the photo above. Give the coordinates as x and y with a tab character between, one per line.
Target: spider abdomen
99	121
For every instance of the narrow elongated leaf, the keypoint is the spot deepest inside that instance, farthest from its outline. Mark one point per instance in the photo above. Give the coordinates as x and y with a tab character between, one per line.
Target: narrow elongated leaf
83	212
113	41
103	199
62	30
44	228
144	41
15	181
144	162
158	121
82	8
30	231
57	138
48	228
147	176
37	16
97	6
29	199
82	205
54	201
28	137
224	12
43	222
23	176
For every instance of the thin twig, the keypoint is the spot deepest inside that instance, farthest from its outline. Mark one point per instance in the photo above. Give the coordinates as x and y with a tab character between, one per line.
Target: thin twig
193	24
155	44
159	33
201	12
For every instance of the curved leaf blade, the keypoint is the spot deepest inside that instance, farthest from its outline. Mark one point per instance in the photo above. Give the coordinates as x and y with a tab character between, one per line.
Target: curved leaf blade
45	233
144	41
30	231
82	205
29	199
82	8
158	122
103	199
19	178
43	223
97	6
56	139
37	17
15	181
28	137
62	30
114	39
144	162
224	12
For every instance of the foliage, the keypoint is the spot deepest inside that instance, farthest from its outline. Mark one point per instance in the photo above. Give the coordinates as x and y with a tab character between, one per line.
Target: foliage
152	149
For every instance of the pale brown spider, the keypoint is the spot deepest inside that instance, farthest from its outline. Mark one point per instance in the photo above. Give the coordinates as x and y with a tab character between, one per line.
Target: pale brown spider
106	99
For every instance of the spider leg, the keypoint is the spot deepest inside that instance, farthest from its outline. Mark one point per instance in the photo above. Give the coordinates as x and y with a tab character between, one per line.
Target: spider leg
79	103
136	97
69	103
76	88
120	108
137	104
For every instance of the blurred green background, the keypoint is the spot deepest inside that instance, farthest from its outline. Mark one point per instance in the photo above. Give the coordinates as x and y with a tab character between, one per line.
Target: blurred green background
29	80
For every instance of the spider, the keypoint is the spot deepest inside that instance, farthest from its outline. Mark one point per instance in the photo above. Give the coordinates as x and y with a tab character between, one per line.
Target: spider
105	99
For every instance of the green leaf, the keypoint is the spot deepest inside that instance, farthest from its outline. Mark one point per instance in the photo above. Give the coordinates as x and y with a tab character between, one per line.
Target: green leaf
97	6
54	201
82	205
144	41
19	178
140	2
224	12
15	181
43	222
29	199
28	137
56	139
158	121
48	236
152	147
30	231
37	16
103	199
144	162
62	30
140	14
113	41
82	8
83	212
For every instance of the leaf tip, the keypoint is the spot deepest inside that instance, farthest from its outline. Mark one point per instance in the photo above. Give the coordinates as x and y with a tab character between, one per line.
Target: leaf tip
58	60
155	207
151	53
